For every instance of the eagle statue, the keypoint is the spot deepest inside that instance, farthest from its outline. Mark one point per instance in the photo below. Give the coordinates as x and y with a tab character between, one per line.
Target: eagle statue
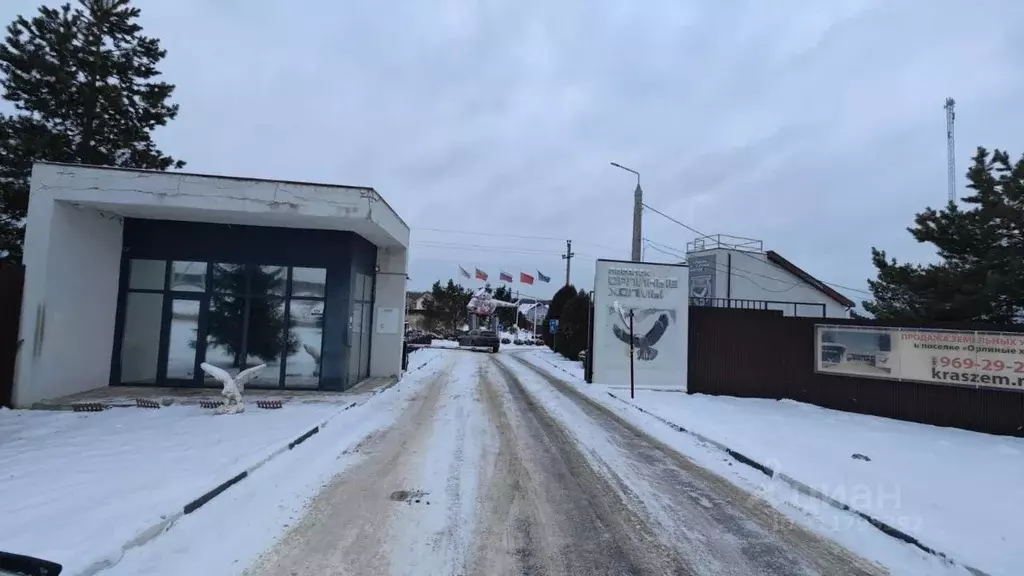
233	386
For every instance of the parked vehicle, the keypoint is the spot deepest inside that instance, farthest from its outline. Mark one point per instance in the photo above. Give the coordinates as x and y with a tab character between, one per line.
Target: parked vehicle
420	338
481	339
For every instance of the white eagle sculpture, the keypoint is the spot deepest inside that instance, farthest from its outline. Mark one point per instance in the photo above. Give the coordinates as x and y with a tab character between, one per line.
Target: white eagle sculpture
233	387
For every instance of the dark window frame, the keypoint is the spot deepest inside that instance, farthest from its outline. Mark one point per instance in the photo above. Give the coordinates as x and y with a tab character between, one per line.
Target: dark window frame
203	297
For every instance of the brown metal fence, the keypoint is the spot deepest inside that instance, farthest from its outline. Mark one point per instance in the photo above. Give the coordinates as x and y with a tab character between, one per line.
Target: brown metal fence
762	354
12	279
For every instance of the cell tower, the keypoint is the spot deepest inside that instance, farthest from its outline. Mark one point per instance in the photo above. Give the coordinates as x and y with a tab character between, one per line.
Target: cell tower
950	148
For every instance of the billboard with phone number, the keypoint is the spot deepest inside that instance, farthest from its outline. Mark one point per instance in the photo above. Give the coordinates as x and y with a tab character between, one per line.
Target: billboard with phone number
945	357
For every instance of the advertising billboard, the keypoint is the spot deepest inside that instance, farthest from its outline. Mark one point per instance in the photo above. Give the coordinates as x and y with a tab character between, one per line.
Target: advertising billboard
658	296
945	357
702	273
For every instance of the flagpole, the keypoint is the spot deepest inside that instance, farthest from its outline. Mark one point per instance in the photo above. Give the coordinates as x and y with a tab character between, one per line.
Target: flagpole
517	310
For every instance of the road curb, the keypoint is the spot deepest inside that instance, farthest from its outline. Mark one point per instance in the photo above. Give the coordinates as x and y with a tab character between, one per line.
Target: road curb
167	522
805	489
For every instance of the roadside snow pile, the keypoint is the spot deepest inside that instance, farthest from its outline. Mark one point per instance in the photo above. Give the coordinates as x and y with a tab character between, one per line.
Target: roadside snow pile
522	335
956	491
420	357
77	486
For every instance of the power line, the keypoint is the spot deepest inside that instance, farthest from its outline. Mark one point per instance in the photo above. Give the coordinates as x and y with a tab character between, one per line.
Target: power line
513	236
494	248
663	215
679	254
739	272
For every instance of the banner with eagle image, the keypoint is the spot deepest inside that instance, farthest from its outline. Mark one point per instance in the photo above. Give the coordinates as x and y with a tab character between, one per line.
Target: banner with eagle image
657	298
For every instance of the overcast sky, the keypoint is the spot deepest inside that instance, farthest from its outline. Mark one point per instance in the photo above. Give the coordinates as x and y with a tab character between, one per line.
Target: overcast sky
815	126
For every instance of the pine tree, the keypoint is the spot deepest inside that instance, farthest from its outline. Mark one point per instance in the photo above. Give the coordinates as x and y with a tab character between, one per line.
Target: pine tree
227	309
981	273
558	301
266	316
506	316
82	82
447	305
574	326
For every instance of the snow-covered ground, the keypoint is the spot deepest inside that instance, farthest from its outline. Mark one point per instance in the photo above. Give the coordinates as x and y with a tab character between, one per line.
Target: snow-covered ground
77	486
956	491
227	535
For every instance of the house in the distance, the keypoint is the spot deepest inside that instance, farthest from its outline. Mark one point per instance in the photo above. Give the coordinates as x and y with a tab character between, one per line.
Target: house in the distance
416	310
729	271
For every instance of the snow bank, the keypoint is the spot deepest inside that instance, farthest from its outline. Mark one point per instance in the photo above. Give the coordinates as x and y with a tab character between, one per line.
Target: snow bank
956	491
77	486
420	357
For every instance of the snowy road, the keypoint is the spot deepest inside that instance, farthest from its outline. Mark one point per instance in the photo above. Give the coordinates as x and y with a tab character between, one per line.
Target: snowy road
494	467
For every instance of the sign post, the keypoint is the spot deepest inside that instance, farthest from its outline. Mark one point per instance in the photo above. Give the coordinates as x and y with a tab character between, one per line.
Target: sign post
630	353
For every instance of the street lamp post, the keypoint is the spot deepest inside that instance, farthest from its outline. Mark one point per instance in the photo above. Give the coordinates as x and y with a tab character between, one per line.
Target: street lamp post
638	214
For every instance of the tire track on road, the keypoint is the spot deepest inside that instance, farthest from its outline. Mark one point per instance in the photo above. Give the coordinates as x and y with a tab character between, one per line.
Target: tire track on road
719	526
347	528
547	510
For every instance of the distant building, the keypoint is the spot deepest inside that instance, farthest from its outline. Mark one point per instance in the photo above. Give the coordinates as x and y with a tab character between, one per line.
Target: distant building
416	310
728	271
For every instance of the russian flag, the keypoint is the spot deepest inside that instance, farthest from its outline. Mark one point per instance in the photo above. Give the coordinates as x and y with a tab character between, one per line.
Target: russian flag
480	274
504	276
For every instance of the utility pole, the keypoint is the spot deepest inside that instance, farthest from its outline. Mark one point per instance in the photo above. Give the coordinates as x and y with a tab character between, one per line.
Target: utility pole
950	148
638	215
568	259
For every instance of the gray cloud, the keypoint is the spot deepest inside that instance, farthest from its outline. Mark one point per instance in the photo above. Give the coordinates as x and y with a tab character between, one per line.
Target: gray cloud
815	126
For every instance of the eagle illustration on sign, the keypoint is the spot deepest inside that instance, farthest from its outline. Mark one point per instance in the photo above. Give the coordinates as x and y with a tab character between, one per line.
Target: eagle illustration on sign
643	341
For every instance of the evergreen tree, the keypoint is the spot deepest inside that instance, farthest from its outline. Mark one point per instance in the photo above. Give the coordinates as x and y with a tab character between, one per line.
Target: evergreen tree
82	83
506	316
558	301
574	326
266	314
981	273
446	305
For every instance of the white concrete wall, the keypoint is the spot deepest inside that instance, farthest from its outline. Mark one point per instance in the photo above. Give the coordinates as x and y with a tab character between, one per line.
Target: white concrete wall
754	277
73	249
201	198
72	263
386	349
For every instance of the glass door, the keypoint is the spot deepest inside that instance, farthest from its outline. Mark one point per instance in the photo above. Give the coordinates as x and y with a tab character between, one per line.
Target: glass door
364	341
182	364
355	338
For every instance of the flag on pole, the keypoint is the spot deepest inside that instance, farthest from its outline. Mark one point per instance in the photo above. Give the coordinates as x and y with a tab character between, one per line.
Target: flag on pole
525	278
480	274
504	276
542	277
464	272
